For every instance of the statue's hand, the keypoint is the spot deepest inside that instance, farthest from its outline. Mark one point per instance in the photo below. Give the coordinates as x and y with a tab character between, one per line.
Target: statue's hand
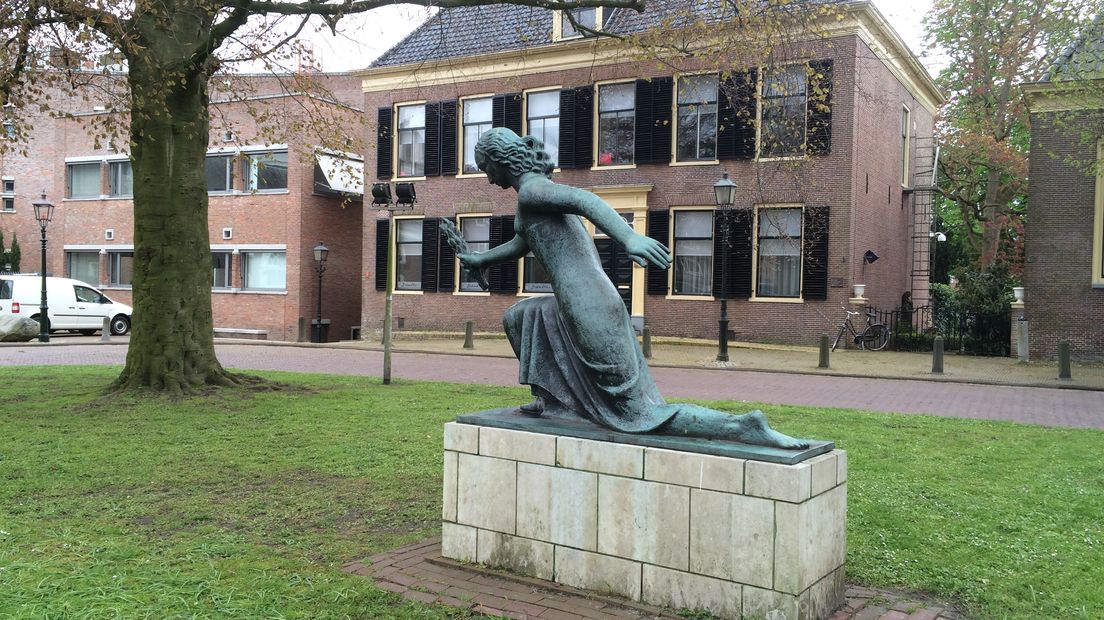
475	265
645	250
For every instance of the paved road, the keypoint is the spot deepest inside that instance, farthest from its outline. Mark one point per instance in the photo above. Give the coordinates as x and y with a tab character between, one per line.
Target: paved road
1033	405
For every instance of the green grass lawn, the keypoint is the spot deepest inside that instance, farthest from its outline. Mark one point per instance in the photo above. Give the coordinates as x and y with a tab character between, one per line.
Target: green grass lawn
245	504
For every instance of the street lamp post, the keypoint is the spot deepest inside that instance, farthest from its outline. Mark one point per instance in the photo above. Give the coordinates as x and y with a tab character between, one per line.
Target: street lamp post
725	193
321	253
43	212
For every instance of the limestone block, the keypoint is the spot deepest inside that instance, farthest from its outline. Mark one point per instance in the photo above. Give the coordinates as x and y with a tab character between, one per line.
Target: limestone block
530	558
824	597
789	483
487	490
732	537
448	508
601	573
700	471
679	590
645	521
600	457
558	505
518	445
841	467
824	469
769	605
458	542
811	540
462	437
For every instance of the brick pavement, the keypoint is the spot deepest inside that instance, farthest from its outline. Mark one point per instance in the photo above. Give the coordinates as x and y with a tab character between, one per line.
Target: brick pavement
418	572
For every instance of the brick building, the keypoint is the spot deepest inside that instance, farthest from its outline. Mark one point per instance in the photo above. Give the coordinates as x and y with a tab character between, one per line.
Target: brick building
270	201
1064	234
652	142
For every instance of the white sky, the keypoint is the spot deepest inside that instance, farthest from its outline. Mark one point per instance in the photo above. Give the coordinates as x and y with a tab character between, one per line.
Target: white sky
361	38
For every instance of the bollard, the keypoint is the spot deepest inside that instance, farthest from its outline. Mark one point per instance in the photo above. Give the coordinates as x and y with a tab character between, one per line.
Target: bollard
937	356
105	336
646	345
1064	360
469	334
823	351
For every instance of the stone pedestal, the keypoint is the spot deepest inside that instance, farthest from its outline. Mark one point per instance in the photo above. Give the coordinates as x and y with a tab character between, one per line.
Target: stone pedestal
731	536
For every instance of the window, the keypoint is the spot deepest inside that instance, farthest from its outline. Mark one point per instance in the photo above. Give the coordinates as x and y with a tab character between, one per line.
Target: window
411	141
88	296
8	204
219	173
477	232
906	128
542	117
221	269
83	180
693	250
6	289
408	255
9	129
585	17
84	266
697	118
535	278
477	121
783	107
9	186
266	171
120	179
616	123
264	270
778	252
120	268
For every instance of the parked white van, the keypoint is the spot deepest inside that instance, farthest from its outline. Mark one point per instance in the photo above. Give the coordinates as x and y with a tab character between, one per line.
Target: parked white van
74	305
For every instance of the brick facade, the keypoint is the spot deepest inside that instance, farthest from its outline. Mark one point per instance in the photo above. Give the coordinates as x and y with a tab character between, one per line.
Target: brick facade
865	142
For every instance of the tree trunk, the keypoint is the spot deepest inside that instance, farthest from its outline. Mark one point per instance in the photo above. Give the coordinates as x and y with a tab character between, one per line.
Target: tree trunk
991	220
172	347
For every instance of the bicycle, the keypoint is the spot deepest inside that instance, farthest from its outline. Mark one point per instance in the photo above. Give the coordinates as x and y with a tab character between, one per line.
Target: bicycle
874	338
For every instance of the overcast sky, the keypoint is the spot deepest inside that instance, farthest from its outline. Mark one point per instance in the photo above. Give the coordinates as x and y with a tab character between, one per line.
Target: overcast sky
361	38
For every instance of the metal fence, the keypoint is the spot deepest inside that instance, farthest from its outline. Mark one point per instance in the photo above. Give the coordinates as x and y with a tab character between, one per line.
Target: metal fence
965	332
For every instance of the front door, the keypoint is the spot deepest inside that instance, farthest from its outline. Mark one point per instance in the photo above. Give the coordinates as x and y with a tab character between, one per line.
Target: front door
617	264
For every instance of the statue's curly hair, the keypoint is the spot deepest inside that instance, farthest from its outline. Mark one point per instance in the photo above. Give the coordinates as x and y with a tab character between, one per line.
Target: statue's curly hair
519	155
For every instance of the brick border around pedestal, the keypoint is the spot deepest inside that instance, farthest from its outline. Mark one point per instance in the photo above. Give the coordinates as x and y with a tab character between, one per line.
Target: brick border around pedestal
729	536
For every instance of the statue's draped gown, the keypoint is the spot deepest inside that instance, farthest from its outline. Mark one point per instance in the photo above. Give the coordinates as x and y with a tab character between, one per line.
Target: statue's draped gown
579	345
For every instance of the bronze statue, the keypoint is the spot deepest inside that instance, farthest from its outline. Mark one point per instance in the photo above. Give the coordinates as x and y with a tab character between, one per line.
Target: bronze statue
577	349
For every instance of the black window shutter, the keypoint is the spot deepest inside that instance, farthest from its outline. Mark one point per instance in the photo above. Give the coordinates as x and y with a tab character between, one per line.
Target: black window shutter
382	229
433	139
662	92
448	137
736	116
814	277
584	127
819	119
511	116
504	276
737	281
642	149
430	243
446	267
498	111
567	128
659	226
383	144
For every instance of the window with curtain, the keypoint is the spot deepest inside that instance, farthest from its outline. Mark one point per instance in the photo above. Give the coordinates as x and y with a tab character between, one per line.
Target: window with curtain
83	180
120	179
616	123
264	270
219	173
120	268
693	250
411	141
697	118
778	252
221	263
408	255
477	121
542	118
477	232
84	266
266	171
784	102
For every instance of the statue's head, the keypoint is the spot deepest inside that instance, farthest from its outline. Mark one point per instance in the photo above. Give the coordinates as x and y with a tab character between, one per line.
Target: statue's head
519	155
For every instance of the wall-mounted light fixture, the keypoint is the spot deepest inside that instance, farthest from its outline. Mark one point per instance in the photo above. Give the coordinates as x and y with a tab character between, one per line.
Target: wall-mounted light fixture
870	257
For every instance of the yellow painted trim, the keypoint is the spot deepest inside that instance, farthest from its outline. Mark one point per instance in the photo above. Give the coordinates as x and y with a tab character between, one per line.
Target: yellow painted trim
755	251
530	294
460	133
1098	221
710	162
557	25
671	246
471	175
405	179
406	292
907	146
691	297
472	293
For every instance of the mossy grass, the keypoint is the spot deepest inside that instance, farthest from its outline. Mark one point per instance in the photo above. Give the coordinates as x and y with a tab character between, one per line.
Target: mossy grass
244	503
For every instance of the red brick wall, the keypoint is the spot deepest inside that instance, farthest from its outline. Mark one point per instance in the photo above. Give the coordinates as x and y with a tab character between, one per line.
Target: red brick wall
822	180
1059	300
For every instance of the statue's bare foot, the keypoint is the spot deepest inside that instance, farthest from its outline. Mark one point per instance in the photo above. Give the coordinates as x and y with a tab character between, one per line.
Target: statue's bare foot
534	409
753	428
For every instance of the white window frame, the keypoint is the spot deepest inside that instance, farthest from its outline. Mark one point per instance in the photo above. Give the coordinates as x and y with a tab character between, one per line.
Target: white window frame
113	166
457	268
244	255
671	243
397	139
250	170
596	146
906	144
7	196
527	129
394	251
800	256
803	151
461	137
558	19
675	124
